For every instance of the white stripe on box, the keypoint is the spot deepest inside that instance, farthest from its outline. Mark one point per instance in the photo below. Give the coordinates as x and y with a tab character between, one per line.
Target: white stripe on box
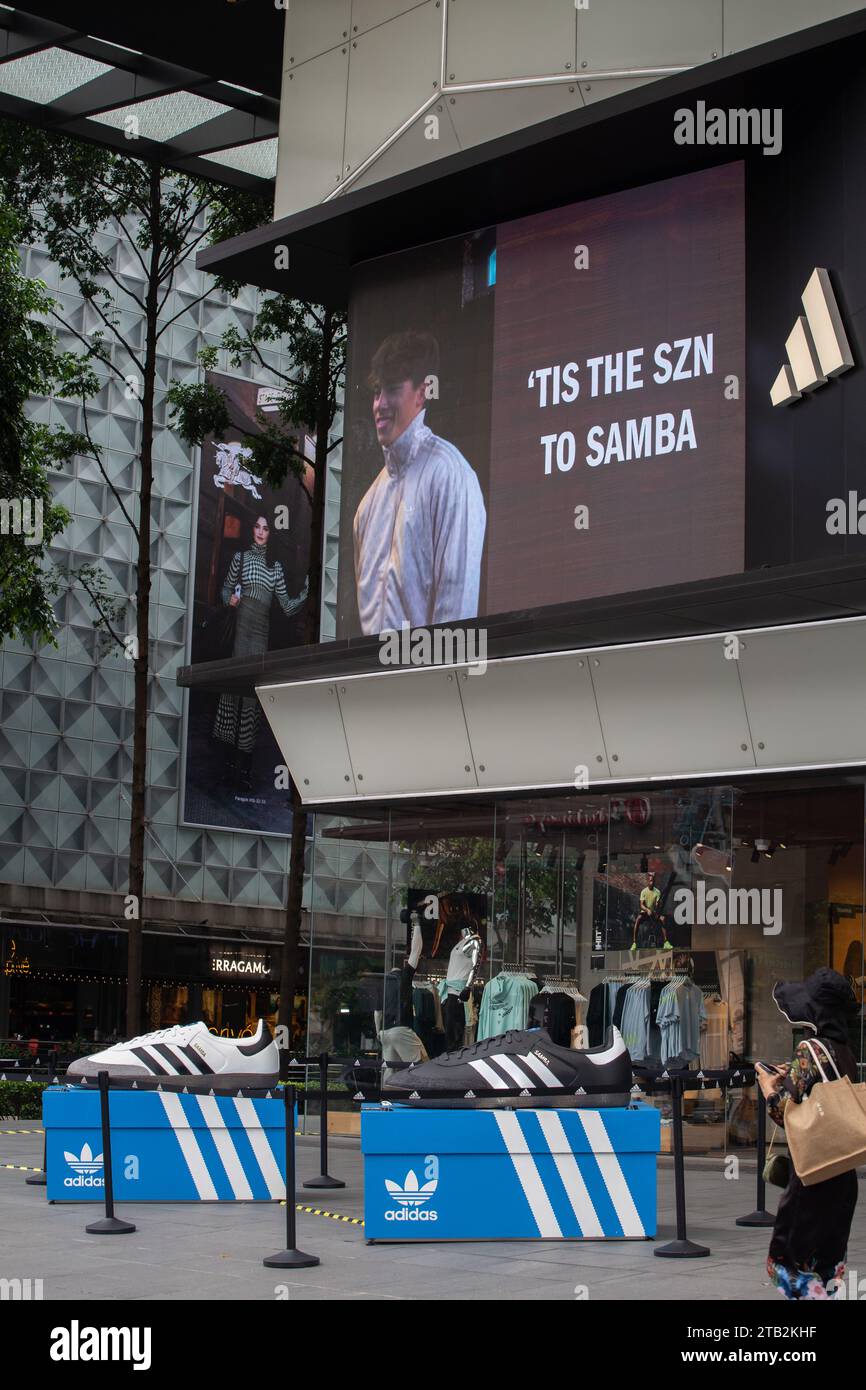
527	1173
225	1147
176	1116
261	1148
490	1076
569	1172
510	1066
541	1070
614	1178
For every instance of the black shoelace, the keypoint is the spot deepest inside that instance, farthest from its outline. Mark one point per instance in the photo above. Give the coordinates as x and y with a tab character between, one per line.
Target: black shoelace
500	1040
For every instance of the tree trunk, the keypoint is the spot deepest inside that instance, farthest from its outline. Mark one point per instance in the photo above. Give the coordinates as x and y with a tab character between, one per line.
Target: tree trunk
138	812
291	951
317	513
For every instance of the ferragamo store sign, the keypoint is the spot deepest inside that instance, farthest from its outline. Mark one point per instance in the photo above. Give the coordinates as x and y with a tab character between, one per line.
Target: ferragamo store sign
245	964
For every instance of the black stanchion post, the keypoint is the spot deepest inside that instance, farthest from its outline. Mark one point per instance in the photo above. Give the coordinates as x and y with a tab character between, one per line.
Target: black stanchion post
323	1180
40	1179
291	1257
682	1248
760	1216
109	1225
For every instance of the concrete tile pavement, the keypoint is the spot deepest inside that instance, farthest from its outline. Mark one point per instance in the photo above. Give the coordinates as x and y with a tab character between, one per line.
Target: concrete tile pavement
186	1252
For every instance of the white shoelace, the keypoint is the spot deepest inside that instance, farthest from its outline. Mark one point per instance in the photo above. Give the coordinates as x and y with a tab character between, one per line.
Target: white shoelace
178	1032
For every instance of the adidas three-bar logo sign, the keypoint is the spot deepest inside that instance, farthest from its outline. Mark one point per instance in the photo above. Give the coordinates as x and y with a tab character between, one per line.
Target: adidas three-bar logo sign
526	1070
817	345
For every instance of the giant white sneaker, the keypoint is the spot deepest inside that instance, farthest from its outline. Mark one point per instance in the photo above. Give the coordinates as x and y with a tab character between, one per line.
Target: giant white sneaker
187	1055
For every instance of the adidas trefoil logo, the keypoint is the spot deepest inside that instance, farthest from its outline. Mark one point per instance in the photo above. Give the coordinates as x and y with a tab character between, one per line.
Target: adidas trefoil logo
84	1162
817	346
87	1167
411	1194
411	1199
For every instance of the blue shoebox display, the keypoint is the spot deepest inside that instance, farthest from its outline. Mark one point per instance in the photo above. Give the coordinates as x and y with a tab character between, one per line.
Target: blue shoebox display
165	1147
510	1174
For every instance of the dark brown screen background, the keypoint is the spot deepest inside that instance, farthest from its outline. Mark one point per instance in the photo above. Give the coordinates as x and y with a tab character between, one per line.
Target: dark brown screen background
666	262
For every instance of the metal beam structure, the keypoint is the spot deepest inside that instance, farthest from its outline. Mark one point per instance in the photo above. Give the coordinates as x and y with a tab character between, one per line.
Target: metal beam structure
193	120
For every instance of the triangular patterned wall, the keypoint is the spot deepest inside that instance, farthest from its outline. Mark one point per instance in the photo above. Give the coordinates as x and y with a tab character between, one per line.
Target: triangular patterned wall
66	711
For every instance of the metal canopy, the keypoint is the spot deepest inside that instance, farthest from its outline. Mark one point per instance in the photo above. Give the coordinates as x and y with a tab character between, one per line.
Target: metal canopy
621	142
591	717
805	592
199	120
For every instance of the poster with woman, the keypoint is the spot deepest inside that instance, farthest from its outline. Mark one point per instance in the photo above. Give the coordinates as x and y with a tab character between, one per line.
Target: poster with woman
251	559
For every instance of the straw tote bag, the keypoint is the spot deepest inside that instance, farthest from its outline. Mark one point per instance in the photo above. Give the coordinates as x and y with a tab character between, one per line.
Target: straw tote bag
826	1132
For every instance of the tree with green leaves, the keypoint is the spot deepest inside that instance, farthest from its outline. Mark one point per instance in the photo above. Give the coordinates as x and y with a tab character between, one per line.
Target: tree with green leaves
310	392
67	196
30	365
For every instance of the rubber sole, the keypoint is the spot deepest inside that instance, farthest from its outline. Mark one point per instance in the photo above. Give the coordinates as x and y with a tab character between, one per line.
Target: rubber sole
606	1101
231	1081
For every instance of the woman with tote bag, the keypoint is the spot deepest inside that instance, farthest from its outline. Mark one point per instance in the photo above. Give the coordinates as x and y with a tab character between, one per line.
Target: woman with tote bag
810	1236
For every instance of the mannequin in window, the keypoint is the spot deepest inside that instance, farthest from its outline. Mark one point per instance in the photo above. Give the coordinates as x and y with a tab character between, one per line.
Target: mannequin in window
462	965
400	1043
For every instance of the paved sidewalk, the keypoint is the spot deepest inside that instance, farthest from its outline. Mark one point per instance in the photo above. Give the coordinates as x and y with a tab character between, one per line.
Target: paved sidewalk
182	1251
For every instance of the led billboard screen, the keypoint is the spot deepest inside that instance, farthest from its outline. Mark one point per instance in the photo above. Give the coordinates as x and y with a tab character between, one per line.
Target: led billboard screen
549	410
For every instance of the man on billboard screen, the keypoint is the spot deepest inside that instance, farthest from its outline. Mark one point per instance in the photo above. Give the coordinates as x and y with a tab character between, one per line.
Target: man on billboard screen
419	528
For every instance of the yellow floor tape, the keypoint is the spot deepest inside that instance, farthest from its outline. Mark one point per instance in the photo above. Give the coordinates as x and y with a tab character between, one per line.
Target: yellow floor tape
334	1215
308	1211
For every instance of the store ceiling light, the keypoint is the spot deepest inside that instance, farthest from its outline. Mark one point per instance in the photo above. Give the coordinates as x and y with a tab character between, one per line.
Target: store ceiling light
124	48
259	158
236	87
164	118
47	76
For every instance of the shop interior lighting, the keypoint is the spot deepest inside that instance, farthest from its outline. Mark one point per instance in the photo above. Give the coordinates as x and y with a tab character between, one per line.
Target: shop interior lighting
137	52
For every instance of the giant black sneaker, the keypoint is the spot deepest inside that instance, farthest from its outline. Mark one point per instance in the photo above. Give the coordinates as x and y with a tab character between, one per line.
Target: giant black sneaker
517	1069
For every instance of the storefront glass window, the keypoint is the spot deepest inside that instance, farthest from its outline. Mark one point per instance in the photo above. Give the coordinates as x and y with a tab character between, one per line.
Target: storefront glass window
702	896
